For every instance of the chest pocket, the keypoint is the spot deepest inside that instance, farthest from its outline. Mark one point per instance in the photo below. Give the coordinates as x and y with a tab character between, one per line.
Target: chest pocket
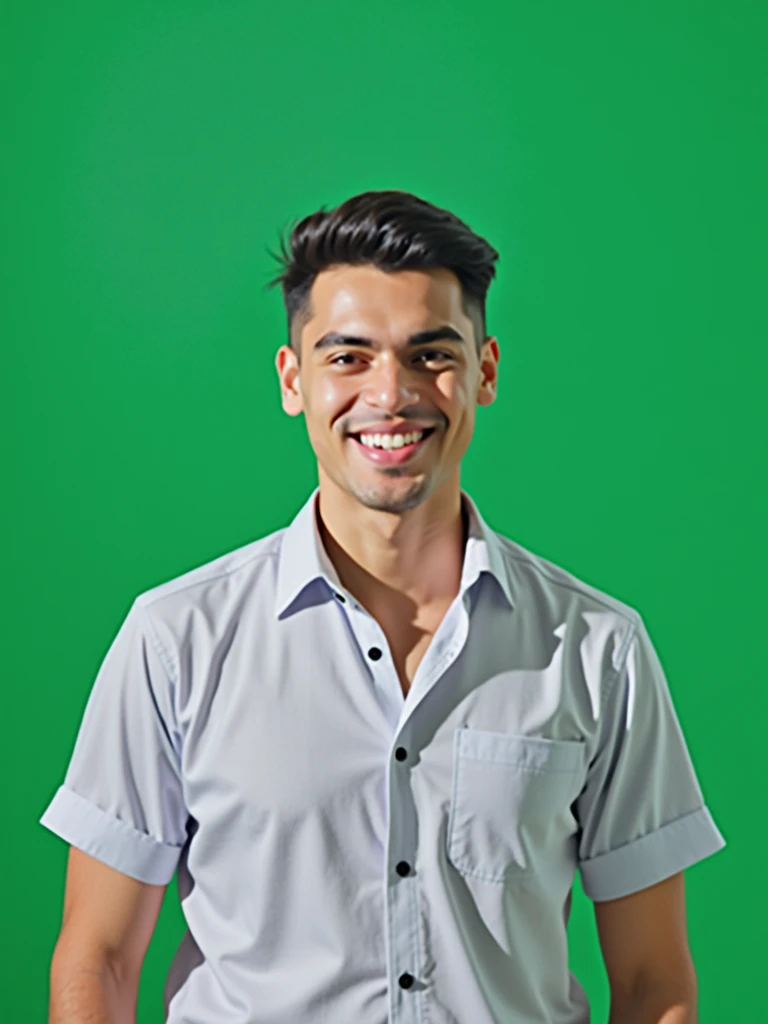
511	799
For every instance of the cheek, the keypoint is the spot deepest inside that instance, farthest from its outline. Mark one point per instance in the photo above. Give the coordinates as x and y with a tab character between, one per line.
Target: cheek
325	405
454	388
330	393
456	399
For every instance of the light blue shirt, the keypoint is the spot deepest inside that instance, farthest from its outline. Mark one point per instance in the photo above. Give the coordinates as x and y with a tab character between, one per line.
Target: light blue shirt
348	855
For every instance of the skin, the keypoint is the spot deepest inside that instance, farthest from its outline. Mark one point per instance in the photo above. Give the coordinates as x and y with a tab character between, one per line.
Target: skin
394	534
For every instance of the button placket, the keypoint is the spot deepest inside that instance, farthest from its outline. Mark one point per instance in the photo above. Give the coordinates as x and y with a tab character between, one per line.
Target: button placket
374	653
402	897
403	911
391	684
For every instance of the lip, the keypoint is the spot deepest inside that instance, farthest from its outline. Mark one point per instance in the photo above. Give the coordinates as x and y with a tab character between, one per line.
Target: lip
396	457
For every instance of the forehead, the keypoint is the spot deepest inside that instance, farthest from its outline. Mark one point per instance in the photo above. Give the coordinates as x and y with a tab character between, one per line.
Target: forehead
390	304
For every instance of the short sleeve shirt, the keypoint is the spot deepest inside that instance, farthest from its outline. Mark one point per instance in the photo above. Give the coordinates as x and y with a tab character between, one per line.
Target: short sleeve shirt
347	853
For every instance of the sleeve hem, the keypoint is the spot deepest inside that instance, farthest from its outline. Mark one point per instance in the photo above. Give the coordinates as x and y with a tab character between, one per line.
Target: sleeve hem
652	858
117	844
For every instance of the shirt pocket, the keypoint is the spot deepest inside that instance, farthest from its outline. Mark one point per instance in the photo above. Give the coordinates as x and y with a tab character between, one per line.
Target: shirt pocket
510	805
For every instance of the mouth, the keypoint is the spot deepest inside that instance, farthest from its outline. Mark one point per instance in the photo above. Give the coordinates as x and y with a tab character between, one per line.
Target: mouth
393	456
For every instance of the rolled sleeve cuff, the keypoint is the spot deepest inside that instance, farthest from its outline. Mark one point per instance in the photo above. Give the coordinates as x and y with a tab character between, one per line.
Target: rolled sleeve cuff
84	825
652	858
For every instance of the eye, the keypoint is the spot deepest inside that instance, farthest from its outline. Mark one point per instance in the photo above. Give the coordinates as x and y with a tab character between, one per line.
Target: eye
351	355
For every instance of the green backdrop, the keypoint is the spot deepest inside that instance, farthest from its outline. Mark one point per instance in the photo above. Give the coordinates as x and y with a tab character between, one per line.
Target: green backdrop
617	157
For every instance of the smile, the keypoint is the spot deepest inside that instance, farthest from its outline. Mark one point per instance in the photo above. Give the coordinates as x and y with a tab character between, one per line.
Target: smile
392	456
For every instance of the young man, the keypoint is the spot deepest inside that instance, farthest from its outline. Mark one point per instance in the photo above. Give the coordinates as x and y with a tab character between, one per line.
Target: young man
377	744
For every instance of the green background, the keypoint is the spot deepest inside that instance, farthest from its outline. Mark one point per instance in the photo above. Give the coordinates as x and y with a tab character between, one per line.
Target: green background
617	157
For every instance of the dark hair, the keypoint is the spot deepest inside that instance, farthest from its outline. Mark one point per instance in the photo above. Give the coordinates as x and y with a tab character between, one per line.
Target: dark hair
394	230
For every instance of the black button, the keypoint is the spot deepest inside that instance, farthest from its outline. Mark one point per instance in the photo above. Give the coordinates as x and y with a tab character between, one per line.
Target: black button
401	753
340	597
405	980
403	868
374	653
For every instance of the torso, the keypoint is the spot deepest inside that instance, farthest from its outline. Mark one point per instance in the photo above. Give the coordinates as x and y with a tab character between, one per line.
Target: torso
407	663
408	635
408	643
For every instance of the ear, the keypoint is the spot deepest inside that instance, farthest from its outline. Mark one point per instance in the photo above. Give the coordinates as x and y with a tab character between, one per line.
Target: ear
489	361
290	381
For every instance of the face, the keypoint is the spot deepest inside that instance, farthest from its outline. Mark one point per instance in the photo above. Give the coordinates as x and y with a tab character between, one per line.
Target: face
346	388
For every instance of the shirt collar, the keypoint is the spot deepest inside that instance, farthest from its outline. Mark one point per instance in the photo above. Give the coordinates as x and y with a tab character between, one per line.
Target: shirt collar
302	556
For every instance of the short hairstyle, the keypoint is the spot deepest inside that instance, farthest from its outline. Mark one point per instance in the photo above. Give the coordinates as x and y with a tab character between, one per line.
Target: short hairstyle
393	230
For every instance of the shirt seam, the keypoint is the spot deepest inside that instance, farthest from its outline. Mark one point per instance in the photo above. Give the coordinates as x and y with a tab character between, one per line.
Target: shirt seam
172	730
620	661
165	659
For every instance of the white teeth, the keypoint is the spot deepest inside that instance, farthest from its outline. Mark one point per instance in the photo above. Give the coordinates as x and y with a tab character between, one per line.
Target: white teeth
390	441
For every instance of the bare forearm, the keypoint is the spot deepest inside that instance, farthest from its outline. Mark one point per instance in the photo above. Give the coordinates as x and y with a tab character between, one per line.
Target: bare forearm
656	1005
88	991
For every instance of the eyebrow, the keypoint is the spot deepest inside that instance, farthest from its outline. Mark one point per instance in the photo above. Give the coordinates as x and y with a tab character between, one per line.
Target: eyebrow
444	333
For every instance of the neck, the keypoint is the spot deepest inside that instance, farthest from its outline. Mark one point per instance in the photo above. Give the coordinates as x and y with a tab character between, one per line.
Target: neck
420	565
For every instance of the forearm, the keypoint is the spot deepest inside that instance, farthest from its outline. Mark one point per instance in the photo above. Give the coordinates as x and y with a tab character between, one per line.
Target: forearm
88	991
657	1004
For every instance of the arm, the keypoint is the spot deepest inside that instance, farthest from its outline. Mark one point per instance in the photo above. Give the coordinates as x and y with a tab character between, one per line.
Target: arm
84	987
657	1005
108	922
644	942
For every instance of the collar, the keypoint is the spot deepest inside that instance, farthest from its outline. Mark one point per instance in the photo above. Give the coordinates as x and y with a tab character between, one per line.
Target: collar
302	556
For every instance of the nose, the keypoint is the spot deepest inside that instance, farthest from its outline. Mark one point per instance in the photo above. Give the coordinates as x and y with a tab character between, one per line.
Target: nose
390	384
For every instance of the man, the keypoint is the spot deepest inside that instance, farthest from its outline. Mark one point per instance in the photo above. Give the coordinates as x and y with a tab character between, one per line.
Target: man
378	743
